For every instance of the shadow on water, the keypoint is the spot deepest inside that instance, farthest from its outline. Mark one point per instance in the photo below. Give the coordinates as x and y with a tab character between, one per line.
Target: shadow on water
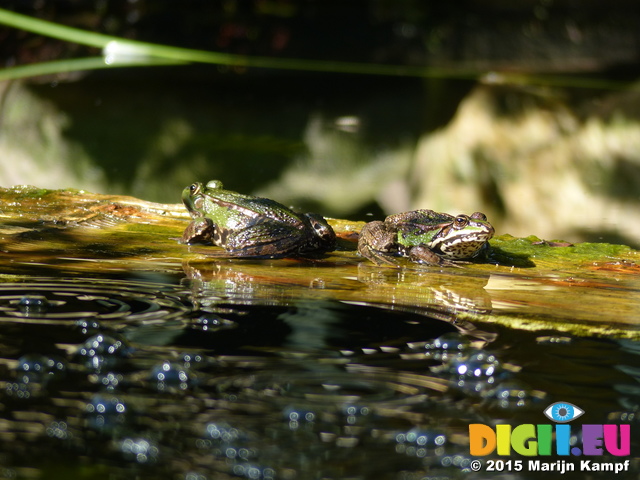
116	379
501	257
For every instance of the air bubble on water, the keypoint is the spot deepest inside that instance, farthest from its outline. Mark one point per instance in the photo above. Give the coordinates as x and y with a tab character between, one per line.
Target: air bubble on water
33	304
239	453
109	380
33	373
450	341
213	322
554	340
193	359
460	461
88	326
41	365
223	433
253	472
103	350
478	365
447	346
355	412
514	394
296	415
59	430
422	437
194	476
139	449
168	376
105	411
19	389
106	405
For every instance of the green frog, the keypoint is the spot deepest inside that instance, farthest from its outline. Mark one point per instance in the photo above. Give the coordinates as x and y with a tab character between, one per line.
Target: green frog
252	226
425	236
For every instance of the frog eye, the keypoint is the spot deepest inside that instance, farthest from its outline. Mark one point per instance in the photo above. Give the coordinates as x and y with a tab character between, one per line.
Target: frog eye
320	229
194	188
479	216
461	221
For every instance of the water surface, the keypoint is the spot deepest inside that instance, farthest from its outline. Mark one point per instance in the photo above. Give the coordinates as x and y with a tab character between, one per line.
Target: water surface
125	354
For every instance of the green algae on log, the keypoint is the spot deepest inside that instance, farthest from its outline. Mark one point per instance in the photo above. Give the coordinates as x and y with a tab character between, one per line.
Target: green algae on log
584	289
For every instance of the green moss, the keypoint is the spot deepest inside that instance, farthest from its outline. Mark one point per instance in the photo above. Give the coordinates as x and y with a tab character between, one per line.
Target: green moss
26	191
537	324
509	250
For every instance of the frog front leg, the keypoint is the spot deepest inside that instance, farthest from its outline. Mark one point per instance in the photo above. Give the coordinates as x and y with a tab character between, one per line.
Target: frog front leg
421	254
377	243
201	230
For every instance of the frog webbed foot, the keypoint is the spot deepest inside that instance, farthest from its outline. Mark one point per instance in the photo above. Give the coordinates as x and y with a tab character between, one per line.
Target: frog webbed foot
421	254
379	258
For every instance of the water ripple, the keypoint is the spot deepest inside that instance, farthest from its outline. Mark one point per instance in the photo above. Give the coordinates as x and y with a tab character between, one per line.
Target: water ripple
102	300
152	376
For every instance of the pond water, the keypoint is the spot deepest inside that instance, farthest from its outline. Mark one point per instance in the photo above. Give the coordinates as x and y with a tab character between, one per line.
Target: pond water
119	361
125	354
120	379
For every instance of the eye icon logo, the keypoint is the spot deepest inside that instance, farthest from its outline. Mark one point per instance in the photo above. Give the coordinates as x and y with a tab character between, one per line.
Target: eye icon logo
563	412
